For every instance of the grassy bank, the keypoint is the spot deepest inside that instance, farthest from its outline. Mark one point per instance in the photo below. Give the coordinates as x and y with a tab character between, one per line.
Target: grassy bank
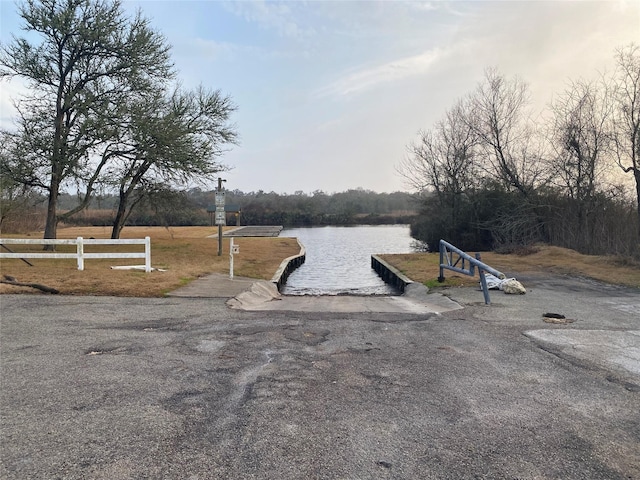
185	253
424	267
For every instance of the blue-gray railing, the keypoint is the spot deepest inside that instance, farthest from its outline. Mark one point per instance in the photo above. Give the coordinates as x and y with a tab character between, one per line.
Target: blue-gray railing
447	252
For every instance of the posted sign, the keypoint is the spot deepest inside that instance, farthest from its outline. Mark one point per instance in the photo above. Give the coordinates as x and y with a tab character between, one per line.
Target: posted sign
221	218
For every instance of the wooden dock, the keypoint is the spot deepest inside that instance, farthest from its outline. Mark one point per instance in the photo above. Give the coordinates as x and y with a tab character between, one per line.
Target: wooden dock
254	231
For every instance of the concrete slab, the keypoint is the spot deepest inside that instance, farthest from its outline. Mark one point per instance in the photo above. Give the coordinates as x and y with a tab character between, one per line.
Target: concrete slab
592	305
604	333
611	350
216	285
351	304
255	231
604	329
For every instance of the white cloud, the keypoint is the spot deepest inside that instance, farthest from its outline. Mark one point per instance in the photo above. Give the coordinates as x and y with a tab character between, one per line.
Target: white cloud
368	78
272	15
424	6
546	44
11	91
212	50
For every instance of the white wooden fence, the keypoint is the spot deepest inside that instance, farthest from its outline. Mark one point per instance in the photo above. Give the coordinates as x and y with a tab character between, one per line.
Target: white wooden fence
80	254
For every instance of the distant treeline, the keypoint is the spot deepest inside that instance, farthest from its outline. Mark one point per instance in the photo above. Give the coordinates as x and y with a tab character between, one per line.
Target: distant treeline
345	208
357	206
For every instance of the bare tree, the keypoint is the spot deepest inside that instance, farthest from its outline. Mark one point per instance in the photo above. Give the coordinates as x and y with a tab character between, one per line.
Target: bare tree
581	140
627	114
443	160
498	116
15	197
442	168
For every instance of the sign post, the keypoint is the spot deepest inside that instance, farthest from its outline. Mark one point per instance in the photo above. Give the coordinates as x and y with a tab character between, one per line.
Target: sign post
221	218
232	249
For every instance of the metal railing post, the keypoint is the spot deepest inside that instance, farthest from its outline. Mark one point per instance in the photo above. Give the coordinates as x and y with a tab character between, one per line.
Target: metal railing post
442	250
483	282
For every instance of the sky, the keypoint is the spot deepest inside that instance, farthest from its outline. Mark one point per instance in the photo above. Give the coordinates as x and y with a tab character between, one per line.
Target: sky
329	94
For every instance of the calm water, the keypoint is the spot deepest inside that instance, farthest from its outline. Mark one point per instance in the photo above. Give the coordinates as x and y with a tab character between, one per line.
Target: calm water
339	259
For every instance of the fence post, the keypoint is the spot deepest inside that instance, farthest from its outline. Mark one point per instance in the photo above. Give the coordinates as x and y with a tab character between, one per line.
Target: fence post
80	251
147	254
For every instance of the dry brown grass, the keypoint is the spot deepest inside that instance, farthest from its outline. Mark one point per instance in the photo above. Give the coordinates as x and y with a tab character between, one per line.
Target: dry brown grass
424	267
185	252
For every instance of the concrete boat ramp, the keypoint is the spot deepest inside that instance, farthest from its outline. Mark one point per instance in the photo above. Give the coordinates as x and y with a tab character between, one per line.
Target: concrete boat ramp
260	295
263	296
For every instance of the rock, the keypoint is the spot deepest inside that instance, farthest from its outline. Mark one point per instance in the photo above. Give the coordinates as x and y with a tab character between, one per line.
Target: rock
513	286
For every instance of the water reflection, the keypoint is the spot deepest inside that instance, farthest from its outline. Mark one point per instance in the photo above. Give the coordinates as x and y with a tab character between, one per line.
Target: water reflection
339	259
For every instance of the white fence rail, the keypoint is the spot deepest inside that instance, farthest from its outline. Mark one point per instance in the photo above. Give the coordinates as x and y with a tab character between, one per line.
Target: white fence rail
80	253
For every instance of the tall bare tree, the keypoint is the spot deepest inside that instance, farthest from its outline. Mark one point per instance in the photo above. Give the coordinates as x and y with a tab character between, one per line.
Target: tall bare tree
88	57
441	167
443	160
581	141
581	138
627	114
499	117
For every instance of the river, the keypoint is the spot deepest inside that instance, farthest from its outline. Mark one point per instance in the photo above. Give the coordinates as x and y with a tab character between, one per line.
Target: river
339	259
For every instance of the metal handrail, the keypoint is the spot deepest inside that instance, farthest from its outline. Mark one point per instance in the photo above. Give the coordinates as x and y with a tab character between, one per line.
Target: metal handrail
447	252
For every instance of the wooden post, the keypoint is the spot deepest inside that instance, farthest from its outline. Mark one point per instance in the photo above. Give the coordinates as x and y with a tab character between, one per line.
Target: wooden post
220	224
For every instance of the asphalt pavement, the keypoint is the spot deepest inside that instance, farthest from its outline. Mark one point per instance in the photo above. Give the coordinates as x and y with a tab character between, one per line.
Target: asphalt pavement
188	387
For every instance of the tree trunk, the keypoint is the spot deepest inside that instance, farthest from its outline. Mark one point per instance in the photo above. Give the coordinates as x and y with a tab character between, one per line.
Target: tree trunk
51	226
121	217
57	159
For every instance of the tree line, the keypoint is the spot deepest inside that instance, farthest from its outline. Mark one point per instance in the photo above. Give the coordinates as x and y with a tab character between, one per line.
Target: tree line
194	206
491	175
356	206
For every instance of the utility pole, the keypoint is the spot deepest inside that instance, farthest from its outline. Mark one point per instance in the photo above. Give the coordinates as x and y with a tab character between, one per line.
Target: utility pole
220	215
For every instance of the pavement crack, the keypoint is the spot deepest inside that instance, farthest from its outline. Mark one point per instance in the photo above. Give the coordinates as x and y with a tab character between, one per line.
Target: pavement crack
246	379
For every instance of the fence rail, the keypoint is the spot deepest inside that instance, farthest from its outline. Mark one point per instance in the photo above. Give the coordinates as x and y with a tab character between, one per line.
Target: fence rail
80	254
457	263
